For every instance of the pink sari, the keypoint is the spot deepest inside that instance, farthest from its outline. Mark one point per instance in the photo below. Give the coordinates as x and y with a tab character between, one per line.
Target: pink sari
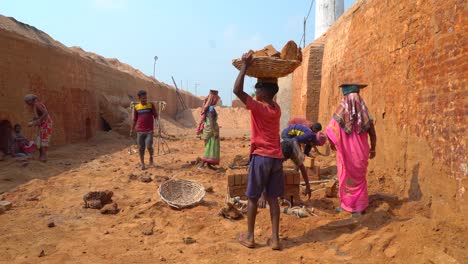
352	159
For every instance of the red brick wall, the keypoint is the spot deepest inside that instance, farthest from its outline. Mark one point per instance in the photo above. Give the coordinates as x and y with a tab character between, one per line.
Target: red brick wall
306	84
413	56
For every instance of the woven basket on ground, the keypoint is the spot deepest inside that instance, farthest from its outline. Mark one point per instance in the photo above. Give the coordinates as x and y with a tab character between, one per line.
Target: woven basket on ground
181	193
268	67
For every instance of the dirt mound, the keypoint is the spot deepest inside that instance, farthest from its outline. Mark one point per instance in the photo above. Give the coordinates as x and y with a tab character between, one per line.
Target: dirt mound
228	117
12	25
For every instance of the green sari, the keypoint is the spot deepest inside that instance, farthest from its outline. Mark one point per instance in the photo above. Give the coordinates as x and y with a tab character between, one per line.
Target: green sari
211	137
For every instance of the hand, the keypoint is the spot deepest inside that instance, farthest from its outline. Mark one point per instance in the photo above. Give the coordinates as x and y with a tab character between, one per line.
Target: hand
247	59
32	123
262	201
372	154
308	192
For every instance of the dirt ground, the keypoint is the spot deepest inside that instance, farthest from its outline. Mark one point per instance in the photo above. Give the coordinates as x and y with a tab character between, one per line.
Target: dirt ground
393	230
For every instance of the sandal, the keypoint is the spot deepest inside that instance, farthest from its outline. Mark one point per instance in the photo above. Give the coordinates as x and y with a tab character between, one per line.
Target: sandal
241	239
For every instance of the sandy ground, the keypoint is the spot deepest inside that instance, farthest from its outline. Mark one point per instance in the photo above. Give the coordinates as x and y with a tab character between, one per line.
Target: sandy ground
394	230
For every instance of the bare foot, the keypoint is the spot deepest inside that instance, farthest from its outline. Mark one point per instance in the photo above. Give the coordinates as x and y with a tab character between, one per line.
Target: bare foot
211	167
274	243
143	167
244	240
42	158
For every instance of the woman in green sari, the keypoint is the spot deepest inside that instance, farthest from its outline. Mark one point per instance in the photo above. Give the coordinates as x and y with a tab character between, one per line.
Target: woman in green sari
209	132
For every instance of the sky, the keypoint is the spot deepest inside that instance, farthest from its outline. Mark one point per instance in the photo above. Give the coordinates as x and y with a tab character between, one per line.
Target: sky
195	41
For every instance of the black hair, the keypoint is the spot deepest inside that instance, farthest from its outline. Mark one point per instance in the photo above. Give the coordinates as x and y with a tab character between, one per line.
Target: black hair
141	93
271	88
316	126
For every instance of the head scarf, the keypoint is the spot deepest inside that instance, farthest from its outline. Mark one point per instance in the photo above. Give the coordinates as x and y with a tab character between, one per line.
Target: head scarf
353	111
30	97
211	100
321	138
347	88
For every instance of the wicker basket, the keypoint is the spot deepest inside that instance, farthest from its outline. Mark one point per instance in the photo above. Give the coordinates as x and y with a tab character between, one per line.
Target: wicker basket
268	67
181	193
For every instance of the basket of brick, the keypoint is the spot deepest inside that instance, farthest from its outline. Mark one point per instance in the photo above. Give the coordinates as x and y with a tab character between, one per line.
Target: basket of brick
269	63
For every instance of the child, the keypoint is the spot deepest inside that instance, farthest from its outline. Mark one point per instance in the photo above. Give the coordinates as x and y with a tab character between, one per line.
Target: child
21	146
144	114
266	159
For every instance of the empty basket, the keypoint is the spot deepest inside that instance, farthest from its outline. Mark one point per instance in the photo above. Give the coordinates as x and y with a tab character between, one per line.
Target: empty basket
181	193
268	67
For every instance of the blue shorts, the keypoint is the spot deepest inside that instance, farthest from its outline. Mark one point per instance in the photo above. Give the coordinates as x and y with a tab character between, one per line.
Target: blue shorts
265	174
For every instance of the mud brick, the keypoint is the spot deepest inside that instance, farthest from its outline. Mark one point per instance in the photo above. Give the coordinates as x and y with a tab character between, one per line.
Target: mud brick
235	191
292	190
238	179
245	179
312	174
319	193
297	178
231	180
289	176
330	188
309	162
5	205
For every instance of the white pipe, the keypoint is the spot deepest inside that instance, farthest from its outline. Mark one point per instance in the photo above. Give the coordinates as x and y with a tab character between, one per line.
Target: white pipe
326	13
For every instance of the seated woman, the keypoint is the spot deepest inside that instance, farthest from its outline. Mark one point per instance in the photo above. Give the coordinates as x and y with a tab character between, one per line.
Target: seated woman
21	146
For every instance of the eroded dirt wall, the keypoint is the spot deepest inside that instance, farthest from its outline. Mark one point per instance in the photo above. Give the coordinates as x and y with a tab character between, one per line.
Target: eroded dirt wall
77	87
413	56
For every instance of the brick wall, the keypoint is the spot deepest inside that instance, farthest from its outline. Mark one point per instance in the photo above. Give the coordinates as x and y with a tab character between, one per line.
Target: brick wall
413	56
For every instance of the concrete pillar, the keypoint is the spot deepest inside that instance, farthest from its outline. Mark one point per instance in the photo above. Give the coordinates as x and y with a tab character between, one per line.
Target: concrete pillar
326	13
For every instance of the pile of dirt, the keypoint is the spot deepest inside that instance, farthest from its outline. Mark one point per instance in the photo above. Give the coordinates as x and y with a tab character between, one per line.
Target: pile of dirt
30	32
228	118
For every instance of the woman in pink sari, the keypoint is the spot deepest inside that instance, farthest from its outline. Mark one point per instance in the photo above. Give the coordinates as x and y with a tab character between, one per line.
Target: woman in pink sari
348	133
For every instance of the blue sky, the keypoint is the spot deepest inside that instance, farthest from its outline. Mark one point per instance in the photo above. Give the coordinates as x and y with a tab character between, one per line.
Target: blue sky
195	41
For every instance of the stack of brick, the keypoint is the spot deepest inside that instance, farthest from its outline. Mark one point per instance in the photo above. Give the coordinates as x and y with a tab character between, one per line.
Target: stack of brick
292	179
237	184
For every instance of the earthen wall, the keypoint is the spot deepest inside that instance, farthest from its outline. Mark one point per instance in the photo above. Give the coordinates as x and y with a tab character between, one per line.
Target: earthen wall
77	88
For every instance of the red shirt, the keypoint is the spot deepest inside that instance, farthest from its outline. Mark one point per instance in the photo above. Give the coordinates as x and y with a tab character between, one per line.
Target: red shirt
265	126
144	114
